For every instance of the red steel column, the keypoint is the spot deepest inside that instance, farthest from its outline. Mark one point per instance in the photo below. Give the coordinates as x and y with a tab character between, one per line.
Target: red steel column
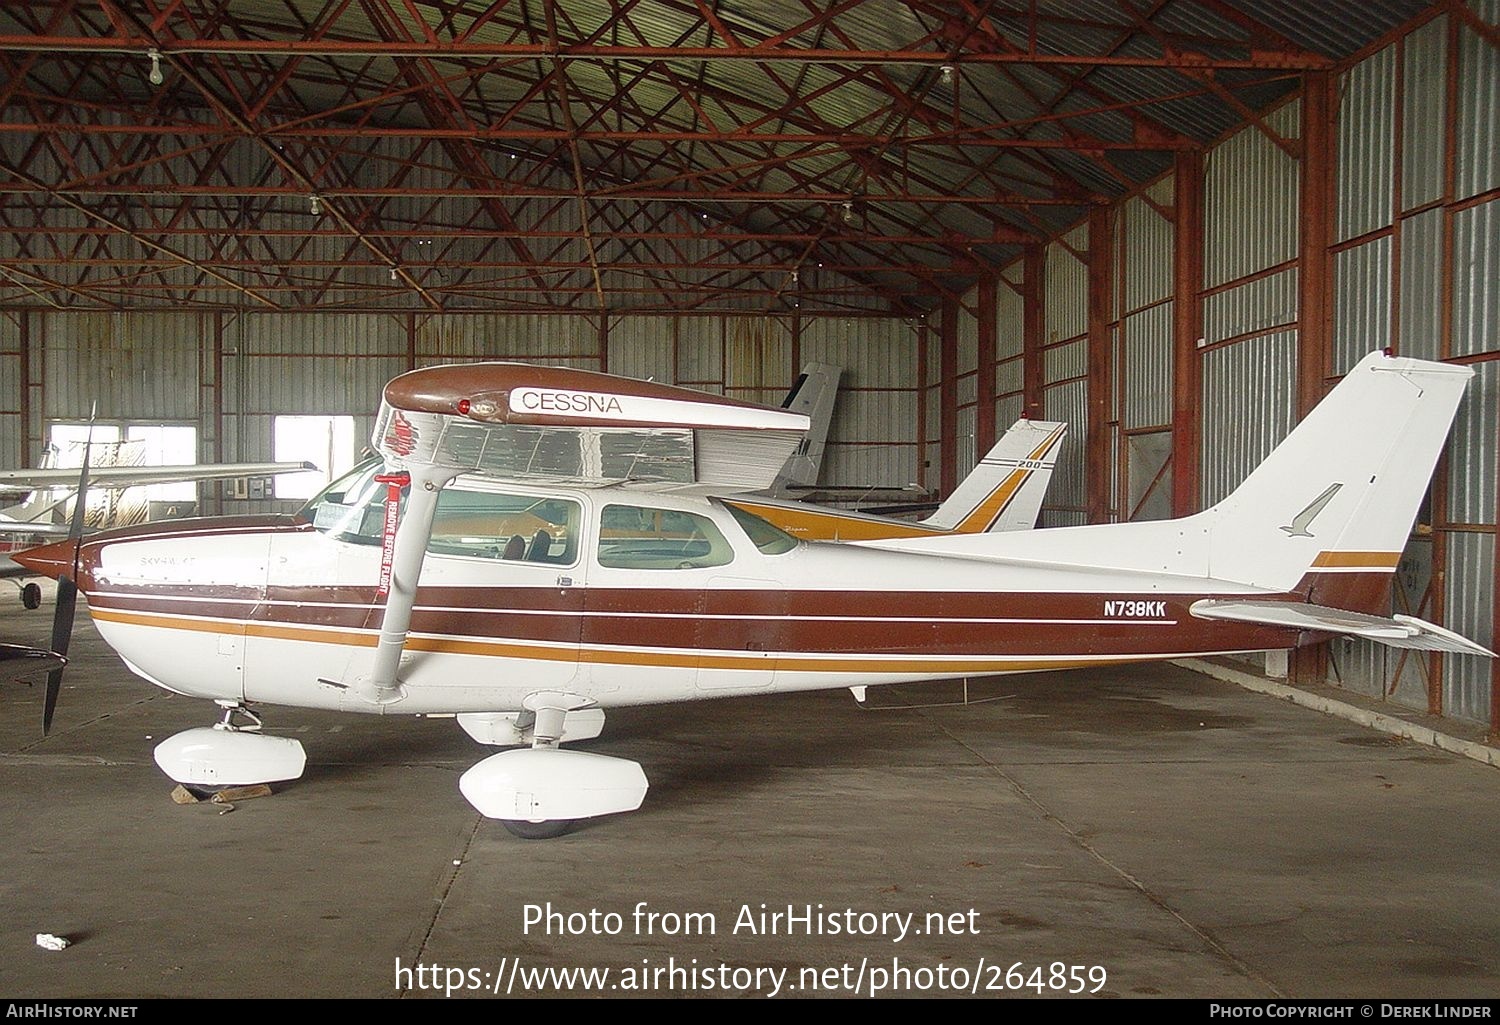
1309	664
1314	327
948	395
1187	328
27	452
922	385
1100	365
984	429
1032	326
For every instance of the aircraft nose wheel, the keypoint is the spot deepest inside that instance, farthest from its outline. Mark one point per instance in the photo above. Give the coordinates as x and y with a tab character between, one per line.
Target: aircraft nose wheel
548	830
31	596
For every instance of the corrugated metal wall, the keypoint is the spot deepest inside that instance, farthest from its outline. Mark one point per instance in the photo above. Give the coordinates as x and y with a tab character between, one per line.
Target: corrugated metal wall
1145	241
1065	316
1423	255
1420	250
141	366
1361	302
1365	159
1010	329
968	383
1424	104
1250	201
1249	405
873	439
1477	132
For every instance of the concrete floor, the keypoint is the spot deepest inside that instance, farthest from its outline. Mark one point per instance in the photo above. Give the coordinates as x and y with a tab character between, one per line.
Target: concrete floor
1190	838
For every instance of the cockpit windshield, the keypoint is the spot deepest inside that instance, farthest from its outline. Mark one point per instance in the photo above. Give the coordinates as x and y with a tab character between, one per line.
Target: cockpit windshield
352	508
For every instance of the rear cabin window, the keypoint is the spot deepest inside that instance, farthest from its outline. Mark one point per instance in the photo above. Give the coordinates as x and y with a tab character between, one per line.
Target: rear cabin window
634	537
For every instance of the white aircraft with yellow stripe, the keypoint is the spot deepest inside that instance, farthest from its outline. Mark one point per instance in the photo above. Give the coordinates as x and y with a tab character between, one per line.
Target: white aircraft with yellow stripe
543	544
1004	492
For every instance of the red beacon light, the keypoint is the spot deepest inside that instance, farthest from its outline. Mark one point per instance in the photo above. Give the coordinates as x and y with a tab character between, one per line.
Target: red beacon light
463	407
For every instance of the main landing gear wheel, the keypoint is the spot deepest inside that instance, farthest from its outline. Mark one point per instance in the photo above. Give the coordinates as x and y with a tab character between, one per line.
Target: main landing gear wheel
31	596
548	830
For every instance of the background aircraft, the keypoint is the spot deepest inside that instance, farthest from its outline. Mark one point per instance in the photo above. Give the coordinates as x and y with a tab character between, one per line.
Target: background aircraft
398	592
1003	492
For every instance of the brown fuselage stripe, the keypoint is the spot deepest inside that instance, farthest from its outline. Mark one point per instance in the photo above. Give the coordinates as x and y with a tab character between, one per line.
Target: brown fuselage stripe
597	656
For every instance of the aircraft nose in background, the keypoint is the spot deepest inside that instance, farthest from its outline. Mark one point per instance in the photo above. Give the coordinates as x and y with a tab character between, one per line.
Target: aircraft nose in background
49	560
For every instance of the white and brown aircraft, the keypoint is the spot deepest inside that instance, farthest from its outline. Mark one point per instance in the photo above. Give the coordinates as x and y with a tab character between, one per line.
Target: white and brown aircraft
544	544
1003	492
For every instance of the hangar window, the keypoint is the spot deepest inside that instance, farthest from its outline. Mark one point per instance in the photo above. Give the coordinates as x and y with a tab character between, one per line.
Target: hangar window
130	444
634	537
325	441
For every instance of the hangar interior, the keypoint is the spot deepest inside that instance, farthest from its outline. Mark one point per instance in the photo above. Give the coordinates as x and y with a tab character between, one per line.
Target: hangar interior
1173	224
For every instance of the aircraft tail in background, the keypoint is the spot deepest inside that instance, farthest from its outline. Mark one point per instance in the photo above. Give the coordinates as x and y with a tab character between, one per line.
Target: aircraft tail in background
813	393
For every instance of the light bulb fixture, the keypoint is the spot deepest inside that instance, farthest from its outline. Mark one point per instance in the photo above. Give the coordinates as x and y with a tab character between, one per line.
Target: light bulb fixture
155	77
794	275
393	273
848	214
314	205
947	72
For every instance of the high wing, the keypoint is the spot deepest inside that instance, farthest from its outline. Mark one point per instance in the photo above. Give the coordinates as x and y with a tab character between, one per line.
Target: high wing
136	476
513	421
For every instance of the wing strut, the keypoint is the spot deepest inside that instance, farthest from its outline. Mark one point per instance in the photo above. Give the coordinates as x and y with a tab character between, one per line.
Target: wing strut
400	570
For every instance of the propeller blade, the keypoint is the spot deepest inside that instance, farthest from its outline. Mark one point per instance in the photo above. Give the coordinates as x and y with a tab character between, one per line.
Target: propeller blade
67	590
62	633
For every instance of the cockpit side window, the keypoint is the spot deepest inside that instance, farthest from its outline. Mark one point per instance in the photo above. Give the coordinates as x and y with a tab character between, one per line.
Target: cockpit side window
636	537
494	525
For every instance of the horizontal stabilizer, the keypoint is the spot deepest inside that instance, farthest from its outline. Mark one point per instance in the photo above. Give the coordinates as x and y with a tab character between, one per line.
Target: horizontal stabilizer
1398	631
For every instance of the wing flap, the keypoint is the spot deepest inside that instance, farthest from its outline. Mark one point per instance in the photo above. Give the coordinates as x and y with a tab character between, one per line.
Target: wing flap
1398	632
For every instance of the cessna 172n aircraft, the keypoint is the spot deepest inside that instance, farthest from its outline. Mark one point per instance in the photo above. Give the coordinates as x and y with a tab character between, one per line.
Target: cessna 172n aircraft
544	544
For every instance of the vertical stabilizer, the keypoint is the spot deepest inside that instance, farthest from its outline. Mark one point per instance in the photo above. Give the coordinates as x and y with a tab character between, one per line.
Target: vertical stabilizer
1336	500
813	394
1005	491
